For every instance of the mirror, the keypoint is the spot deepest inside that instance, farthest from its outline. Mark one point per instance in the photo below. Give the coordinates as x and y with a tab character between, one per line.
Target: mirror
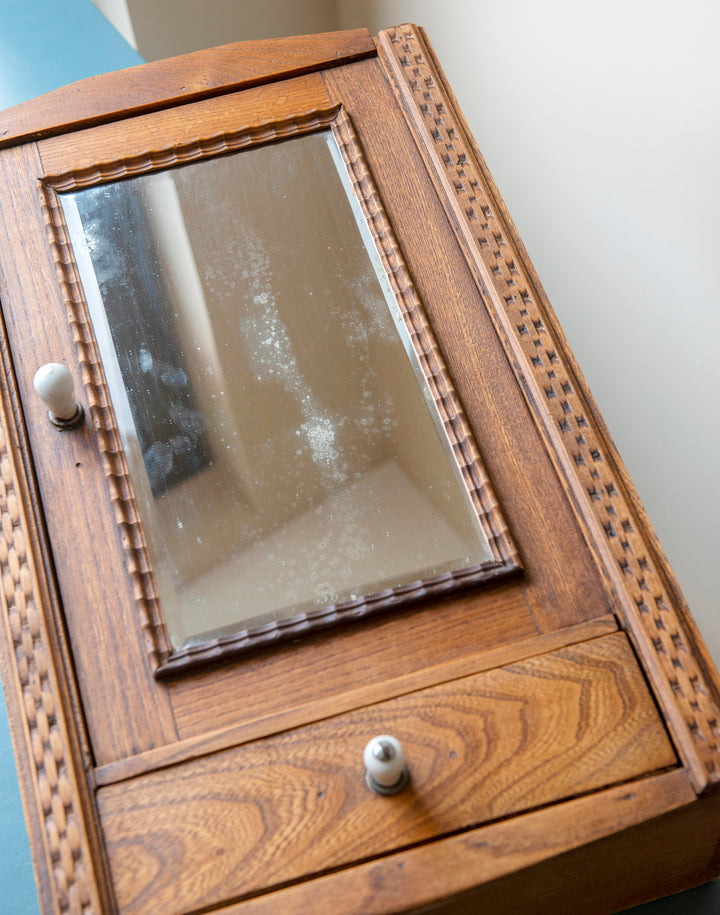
284	447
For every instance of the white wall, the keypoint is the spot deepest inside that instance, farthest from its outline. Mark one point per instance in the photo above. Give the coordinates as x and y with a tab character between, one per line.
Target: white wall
601	125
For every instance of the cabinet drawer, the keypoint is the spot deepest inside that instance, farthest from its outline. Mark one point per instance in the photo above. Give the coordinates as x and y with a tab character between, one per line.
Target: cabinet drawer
478	748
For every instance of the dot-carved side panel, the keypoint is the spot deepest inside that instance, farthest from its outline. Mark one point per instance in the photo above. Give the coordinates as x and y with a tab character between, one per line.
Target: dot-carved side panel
549	385
46	751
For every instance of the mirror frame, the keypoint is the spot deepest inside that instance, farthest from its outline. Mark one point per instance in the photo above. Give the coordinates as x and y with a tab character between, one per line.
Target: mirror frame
165	659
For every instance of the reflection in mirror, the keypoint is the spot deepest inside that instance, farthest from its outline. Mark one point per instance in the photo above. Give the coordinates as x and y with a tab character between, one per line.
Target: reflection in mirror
283	445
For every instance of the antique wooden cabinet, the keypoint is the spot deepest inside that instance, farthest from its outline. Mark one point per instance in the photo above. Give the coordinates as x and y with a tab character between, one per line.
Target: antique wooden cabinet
339	476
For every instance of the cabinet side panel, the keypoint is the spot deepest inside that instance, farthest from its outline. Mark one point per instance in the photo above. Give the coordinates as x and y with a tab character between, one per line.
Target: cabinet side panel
617	531
47	736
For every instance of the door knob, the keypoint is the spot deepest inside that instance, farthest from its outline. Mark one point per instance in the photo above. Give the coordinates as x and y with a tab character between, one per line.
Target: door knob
385	769
54	384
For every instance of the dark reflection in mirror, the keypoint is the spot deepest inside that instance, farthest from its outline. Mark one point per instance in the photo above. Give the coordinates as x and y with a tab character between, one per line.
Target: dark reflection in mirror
169	427
282	442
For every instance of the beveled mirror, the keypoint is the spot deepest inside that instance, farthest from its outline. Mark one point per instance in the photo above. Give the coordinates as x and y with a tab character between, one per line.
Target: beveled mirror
295	448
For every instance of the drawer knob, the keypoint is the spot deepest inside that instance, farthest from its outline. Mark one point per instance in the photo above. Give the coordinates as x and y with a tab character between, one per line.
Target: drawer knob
54	384
385	769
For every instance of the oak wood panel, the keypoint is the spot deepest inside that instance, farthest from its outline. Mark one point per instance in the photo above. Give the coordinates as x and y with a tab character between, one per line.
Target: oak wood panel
99	611
336	703
372	652
523	850
178	81
479	748
178	126
562	584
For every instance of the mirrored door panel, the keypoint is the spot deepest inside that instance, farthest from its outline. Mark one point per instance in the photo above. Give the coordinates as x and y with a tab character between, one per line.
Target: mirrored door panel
283	430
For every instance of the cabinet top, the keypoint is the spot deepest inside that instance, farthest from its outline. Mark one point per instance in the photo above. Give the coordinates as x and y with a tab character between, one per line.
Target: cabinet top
187	78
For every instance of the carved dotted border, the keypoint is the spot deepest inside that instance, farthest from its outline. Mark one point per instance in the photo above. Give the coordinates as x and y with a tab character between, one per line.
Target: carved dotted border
165	661
519	316
188	152
48	755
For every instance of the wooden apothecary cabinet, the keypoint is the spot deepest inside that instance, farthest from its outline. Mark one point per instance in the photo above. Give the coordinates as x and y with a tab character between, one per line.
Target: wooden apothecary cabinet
557	710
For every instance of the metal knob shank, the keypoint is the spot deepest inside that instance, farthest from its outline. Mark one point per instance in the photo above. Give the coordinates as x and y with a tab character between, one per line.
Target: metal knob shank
385	769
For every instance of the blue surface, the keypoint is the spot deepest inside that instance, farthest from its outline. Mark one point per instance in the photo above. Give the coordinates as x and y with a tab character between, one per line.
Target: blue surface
49	43
44	44
17	883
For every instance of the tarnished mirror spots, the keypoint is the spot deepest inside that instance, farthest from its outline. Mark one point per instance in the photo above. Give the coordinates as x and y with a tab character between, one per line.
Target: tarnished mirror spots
287	455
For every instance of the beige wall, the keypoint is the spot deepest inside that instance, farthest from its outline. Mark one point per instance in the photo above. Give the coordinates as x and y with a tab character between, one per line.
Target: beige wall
600	124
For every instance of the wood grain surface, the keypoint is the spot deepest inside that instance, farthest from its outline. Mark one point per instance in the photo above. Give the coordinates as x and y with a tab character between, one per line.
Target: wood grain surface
642	830
49	740
137	138
379	683
559	589
479	748
104	628
177	81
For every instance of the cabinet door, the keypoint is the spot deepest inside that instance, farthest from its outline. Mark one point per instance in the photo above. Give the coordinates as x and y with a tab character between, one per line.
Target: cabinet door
285	417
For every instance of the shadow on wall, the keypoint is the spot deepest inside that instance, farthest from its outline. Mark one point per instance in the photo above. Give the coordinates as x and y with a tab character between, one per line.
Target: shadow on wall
217	22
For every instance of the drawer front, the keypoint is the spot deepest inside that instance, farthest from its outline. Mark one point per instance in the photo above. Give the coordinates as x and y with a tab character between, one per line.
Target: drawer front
478	748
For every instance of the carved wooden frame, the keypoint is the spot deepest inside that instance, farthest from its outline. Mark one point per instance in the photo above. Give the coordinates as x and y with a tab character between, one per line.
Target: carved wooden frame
652	608
165	659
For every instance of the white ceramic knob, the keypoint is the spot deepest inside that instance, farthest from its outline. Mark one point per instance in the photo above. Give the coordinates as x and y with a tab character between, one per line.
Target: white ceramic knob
385	769
54	384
